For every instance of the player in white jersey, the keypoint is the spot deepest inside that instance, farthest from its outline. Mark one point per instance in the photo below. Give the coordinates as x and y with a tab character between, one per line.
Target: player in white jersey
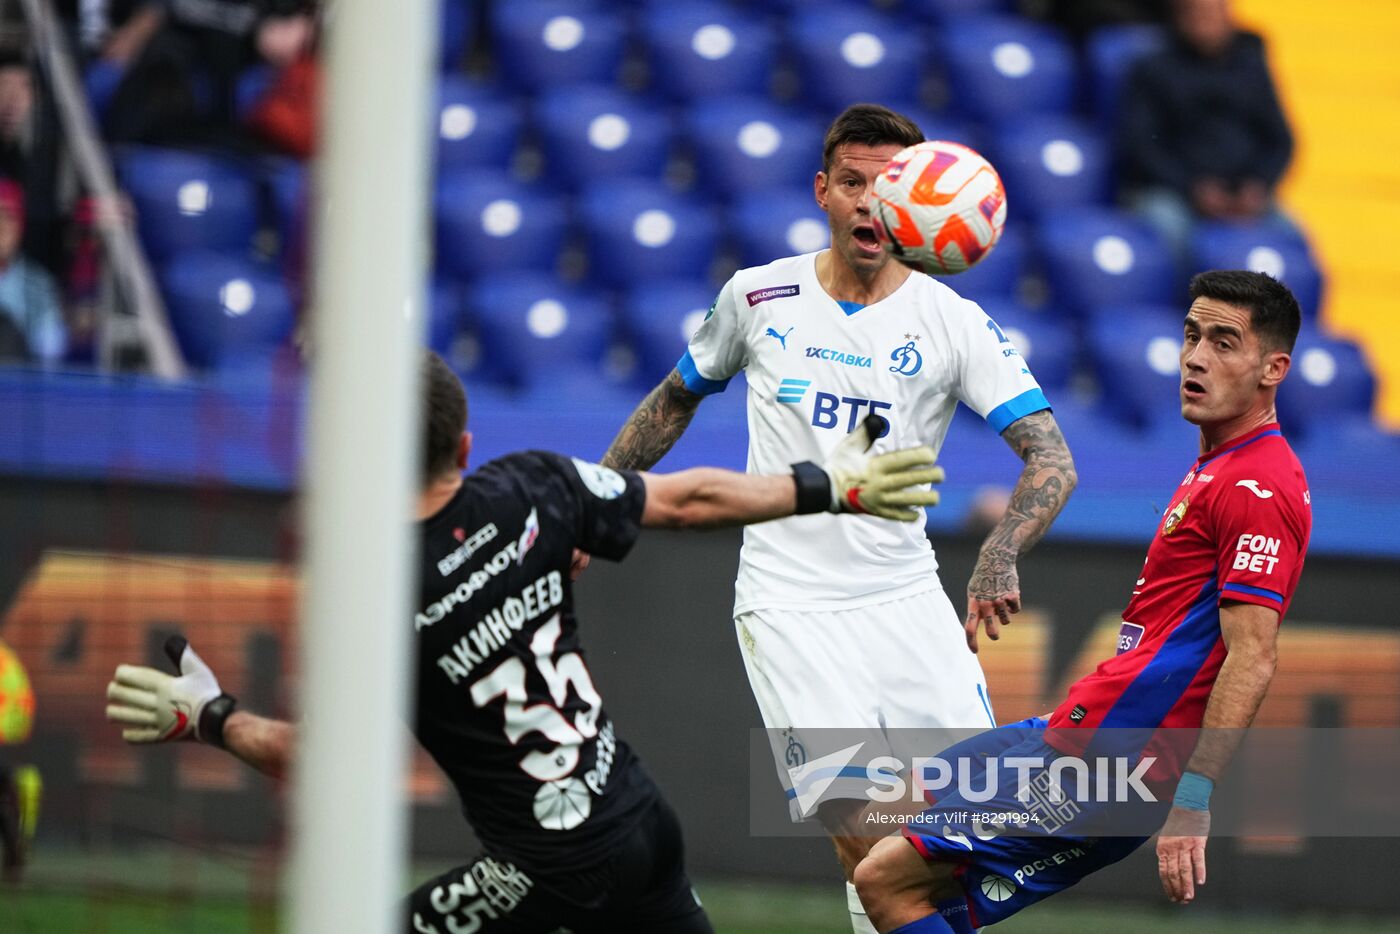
846	624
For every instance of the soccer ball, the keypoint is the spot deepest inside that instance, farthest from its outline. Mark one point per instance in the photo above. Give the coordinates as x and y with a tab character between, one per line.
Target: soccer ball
938	207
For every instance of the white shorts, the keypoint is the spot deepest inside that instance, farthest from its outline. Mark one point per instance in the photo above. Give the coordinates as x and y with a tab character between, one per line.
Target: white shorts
903	664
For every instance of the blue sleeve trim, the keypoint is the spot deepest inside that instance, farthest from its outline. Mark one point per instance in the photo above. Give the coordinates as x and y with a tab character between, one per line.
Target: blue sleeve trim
1253	591
694	381
1027	403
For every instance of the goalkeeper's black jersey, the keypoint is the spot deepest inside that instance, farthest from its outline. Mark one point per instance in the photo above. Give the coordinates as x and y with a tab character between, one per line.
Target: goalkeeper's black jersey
505	703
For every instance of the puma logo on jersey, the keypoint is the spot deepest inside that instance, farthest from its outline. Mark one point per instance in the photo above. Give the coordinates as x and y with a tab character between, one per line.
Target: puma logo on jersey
1253	487
780	338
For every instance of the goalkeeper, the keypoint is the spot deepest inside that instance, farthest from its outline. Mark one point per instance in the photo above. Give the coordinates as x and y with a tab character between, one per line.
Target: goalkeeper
575	833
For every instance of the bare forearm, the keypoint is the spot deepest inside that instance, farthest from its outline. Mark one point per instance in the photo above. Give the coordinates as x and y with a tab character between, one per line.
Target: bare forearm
1239	690
654	427
267	745
1042	490
707	497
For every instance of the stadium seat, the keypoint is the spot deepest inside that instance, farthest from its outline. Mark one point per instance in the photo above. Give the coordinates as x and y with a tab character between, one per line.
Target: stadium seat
999	66
768	225
186	200
1273	247
456	20
846	54
289	182
1330	381
940	124
475	125
225	310
699	49
940	11
637	231
1046	343
444	316
1136	354
488	222
998	274
1048	162
595	131
542	43
659	318
530	324
1097	256
1111	52
751	144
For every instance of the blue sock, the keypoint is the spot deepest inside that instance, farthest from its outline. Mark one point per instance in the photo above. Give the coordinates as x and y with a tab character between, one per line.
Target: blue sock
933	924
955	914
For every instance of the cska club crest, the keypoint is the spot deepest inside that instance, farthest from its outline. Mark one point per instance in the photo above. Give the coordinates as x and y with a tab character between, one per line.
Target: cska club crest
1175	516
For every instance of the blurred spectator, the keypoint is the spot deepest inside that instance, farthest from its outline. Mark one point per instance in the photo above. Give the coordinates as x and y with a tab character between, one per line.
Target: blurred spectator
1081	17
16	110
1203	134
28	299
181	61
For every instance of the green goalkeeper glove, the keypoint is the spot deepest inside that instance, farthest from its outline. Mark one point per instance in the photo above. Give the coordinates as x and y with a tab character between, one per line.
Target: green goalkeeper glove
890	485
154	707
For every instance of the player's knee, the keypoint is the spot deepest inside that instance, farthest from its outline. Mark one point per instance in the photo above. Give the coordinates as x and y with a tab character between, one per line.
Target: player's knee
883	878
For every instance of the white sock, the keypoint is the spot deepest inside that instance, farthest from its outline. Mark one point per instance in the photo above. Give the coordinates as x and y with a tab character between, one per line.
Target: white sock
860	924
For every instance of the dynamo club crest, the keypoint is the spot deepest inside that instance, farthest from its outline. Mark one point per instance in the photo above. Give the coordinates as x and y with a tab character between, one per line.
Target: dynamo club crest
907	360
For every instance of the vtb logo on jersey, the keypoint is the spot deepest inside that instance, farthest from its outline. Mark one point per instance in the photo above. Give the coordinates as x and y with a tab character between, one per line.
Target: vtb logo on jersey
828	409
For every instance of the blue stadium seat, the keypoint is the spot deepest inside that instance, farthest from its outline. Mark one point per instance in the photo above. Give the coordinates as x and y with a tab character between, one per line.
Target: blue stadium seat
698	48
540	43
940	124
847	55
1047	343
940	11
531	324
998	274
456	20
659	317
1136	354
1111	52
595	131
1048	162
999	66
1274	247
487	222
1330	380
225	310
639	231
768	225
751	144
289	182
1098	256
185	200
475	125
445	322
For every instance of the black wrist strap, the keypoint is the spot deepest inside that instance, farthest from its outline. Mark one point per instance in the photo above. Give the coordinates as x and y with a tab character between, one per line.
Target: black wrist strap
212	717
813	488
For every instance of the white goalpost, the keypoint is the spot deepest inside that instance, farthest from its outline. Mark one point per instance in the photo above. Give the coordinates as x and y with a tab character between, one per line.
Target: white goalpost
348	829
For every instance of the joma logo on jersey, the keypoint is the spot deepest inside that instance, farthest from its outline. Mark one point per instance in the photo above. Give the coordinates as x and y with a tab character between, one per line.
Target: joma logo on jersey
839	356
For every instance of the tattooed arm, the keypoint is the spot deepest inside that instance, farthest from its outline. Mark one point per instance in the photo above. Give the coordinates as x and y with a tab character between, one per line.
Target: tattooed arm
650	431
654	427
994	592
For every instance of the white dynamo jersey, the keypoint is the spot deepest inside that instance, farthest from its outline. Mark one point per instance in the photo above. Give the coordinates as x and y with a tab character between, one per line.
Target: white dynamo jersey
815	368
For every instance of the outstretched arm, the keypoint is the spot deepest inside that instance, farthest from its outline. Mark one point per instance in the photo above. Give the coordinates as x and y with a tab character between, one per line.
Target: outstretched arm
654	427
267	745
891	486
1250	633
994	592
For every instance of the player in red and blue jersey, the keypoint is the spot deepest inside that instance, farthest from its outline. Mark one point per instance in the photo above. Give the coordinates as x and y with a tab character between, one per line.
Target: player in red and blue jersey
1197	650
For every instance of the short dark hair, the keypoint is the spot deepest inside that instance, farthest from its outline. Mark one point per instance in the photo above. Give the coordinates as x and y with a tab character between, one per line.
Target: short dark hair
869	125
444	416
1273	310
